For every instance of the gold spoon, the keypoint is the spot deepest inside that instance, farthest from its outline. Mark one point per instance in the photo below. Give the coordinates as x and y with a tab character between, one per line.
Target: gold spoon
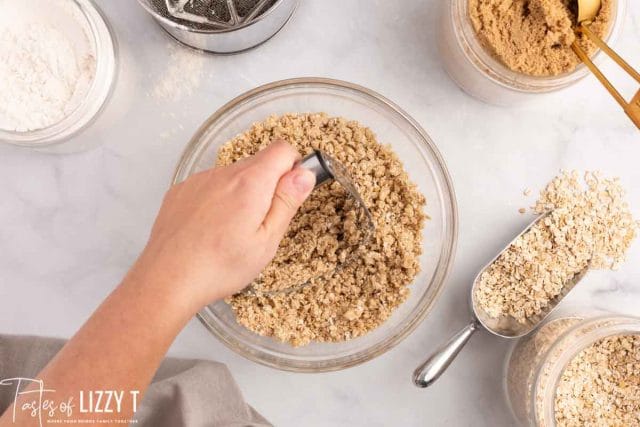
587	12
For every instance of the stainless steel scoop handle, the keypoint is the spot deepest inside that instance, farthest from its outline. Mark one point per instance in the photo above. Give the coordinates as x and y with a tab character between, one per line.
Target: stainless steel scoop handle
316	164
428	372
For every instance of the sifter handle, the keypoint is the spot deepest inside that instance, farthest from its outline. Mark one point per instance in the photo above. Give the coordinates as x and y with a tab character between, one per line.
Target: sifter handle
316	164
427	373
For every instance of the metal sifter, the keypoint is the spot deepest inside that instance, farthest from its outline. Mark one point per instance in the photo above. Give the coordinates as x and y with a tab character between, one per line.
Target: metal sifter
506	327
221	26
327	169
217	13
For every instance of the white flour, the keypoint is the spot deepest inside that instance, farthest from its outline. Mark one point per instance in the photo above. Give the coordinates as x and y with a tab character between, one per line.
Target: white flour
47	62
182	75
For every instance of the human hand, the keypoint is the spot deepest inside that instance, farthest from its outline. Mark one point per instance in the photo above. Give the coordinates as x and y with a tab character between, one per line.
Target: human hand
217	230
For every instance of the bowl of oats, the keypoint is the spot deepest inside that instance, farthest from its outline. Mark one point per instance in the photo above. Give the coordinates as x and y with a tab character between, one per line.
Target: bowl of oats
577	370
362	309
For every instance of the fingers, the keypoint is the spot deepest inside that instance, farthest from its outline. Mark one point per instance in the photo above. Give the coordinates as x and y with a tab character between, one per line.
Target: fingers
256	178
292	190
274	161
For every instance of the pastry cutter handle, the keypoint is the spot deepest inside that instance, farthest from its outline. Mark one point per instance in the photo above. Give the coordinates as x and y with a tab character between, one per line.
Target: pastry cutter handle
316	164
432	368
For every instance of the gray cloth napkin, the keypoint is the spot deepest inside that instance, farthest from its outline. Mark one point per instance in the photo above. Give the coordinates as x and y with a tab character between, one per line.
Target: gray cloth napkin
184	393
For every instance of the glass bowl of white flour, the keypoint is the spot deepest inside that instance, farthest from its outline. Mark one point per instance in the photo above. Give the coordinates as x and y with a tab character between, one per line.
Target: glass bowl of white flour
57	69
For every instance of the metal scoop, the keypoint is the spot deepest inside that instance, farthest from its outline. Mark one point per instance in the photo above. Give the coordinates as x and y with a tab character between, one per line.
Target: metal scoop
506	326
587	12
326	169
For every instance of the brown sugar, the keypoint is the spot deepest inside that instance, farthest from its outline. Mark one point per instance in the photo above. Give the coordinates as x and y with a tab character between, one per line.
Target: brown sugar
362	294
534	37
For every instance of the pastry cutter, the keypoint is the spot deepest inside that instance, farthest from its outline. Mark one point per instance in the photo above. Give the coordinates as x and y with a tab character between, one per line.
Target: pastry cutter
505	326
327	169
587	12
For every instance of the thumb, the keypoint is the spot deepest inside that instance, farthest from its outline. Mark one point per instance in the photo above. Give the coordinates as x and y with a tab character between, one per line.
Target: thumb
292	190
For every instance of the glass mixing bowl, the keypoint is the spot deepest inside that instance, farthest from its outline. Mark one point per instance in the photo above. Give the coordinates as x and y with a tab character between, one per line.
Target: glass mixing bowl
422	161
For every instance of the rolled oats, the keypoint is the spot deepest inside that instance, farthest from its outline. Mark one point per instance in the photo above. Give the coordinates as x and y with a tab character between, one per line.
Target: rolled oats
601	385
590	224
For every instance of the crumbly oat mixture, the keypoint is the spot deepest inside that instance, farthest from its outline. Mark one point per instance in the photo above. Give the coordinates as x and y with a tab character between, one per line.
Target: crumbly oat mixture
363	293
314	250
601	385
534	36
590	223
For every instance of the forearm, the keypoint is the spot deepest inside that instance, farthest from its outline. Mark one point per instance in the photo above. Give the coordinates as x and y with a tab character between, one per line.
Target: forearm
118	349
213	235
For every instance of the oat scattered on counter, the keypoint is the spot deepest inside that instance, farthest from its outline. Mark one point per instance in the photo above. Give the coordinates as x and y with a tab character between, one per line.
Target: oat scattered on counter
534	36
362	295
522	211
601	385
590	223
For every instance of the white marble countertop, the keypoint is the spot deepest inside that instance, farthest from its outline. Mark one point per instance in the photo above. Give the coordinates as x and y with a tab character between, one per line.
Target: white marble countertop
72	224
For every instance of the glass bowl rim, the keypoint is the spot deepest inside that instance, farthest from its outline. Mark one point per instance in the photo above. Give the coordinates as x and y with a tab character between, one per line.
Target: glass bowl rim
446	257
